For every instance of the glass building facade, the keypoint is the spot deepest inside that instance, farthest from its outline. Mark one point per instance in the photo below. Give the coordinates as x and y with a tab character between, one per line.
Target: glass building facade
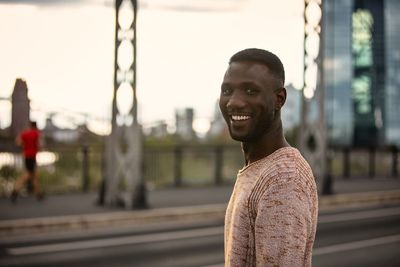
338	70
361	66
392	74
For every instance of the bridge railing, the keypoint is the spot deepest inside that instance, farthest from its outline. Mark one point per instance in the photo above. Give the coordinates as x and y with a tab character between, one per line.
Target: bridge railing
60	169
82	168
369	162
192	165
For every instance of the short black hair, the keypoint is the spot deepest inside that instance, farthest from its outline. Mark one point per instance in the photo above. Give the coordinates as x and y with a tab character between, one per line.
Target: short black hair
264	57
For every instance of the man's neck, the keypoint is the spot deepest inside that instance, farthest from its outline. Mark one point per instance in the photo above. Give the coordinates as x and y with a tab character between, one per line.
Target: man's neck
264	146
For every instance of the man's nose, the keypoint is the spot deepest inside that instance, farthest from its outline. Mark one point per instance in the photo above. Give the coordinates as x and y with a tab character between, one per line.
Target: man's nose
236	101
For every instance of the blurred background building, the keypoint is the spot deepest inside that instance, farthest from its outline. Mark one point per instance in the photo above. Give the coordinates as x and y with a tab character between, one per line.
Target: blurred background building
291	111
362	62
184	123
20	108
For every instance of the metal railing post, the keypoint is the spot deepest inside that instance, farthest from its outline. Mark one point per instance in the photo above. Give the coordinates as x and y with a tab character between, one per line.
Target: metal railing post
346	162
178	166
395	157
85	168
218	162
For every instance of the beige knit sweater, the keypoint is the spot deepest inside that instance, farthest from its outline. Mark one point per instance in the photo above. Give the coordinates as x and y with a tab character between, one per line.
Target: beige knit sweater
272	214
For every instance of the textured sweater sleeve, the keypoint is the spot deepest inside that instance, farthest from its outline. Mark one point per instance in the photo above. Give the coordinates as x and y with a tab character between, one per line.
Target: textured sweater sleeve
283	225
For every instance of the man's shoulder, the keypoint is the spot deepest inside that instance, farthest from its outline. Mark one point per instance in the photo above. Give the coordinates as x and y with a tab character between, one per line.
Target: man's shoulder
30	134
288	166
284	160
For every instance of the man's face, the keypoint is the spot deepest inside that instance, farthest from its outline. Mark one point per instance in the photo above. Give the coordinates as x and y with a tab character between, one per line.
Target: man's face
247	100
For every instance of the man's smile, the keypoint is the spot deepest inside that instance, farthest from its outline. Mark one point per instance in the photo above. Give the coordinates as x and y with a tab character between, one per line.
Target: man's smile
239	117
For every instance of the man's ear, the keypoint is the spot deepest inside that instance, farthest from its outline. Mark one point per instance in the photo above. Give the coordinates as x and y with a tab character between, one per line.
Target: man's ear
280	98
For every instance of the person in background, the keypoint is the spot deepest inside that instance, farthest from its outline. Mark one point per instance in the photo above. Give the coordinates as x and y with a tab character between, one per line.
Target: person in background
29	139
271	217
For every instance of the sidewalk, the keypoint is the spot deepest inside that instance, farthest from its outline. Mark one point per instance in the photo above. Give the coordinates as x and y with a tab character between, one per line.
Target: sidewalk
80	209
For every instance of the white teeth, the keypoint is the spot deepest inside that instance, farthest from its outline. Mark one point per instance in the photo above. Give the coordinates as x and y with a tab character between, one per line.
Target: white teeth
240	118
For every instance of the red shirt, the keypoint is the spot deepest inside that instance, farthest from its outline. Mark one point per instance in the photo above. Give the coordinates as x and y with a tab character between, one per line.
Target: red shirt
30	142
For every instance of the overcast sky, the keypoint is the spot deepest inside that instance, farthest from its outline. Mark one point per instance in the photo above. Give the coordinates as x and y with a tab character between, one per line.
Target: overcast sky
64	50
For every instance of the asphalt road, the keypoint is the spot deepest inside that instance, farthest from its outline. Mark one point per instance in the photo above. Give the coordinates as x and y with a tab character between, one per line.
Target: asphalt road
356	237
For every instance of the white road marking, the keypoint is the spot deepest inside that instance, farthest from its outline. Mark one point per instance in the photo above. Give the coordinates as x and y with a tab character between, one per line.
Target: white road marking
210	231
356	245
346	246
116	241
359	215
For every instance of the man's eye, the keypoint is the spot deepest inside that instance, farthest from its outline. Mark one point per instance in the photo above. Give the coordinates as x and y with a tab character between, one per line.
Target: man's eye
251	91
226	91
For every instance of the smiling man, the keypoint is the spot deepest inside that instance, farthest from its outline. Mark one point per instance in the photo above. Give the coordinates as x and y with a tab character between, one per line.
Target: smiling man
272	214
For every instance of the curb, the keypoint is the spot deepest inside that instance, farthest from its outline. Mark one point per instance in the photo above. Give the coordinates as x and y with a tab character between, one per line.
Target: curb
132	218
163	215
359	199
